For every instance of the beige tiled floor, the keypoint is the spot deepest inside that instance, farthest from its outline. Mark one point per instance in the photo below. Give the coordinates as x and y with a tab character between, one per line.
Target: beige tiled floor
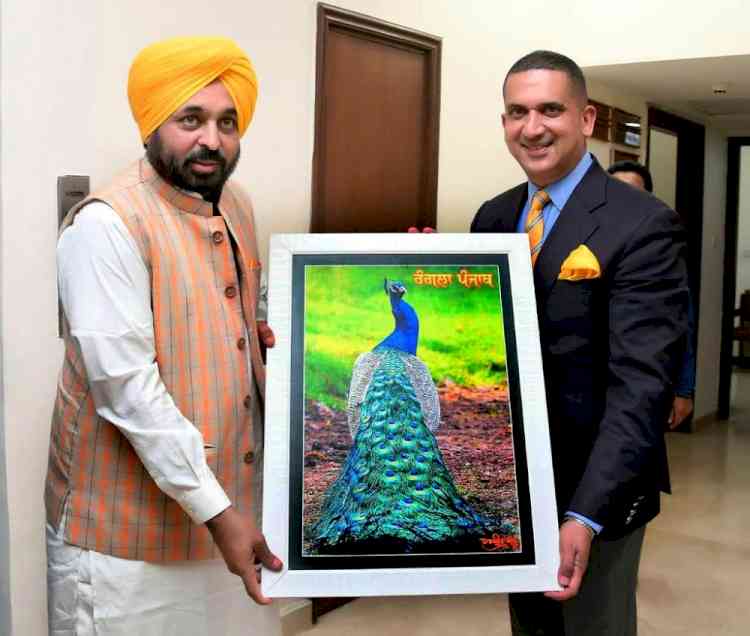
695	568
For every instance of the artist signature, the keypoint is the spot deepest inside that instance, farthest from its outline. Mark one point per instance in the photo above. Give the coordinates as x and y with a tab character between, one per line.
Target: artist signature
497	543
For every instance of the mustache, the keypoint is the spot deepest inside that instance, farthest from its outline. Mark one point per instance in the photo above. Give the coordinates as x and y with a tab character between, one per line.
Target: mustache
542	141
206	154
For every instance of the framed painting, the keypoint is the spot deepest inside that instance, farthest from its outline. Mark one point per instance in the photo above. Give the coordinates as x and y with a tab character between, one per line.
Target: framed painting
406	439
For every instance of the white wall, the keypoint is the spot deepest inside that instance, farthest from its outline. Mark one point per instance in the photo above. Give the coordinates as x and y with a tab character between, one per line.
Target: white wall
5	616
46	131
712	274
64	110
4	530
663	165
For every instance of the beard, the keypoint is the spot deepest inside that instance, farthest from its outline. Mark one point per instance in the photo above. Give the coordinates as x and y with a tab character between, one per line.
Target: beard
178	172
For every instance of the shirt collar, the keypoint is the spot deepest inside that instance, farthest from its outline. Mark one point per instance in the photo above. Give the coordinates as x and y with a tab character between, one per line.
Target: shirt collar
560	191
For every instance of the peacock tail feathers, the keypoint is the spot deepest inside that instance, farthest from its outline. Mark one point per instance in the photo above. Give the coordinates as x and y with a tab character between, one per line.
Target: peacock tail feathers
394	492
419	377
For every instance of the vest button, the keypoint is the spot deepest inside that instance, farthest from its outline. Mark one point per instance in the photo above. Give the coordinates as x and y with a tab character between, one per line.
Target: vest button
249	457
247	402
241	343
217	237
230	292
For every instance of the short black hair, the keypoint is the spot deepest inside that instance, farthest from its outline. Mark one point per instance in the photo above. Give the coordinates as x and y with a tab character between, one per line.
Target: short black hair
551	61
633	166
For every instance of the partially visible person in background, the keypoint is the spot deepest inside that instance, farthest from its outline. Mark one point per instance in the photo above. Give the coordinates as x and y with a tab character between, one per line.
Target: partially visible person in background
638	176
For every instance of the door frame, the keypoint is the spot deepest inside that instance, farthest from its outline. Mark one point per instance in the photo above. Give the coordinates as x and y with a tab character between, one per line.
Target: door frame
731	225
691	157
691	148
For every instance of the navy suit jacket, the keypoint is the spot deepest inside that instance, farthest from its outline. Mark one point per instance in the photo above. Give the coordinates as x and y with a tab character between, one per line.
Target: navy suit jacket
611	346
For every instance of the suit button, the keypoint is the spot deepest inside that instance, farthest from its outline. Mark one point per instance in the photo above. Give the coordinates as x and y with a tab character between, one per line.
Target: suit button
230	292
241	343
217	237
249	457
247	402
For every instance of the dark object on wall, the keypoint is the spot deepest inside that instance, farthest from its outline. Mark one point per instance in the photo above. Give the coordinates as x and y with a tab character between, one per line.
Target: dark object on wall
626	128
603	121
616	126
71	189
377	109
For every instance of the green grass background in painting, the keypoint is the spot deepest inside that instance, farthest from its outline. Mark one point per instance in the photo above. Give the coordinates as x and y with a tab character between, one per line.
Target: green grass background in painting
347	312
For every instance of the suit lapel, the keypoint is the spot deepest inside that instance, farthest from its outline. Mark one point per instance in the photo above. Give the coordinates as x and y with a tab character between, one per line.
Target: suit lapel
573	227
508	220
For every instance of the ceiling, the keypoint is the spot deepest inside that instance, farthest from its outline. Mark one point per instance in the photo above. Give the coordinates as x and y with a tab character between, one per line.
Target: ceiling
687	86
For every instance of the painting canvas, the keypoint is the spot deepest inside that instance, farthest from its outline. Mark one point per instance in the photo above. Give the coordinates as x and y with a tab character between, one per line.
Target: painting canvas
408	447
397	438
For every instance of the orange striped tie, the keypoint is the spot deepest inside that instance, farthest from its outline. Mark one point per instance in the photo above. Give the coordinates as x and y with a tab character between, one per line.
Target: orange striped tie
535	223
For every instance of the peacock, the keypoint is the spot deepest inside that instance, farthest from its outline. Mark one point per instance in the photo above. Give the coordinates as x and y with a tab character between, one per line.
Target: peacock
394	493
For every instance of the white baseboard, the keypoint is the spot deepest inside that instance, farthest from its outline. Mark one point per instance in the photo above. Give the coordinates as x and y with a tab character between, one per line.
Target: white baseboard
296	616
703	421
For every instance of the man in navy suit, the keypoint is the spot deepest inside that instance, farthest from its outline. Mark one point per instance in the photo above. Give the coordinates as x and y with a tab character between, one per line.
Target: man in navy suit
611	290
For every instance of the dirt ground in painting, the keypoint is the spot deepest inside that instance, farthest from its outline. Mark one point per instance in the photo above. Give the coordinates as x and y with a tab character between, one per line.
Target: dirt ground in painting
474	438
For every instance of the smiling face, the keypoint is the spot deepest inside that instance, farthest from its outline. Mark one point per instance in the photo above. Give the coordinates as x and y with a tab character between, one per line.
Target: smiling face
198	147
546	124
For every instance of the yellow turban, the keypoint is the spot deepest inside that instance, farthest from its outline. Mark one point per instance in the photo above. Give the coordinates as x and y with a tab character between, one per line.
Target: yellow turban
165	75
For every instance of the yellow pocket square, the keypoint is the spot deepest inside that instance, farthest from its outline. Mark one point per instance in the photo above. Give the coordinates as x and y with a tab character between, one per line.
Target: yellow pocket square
581	264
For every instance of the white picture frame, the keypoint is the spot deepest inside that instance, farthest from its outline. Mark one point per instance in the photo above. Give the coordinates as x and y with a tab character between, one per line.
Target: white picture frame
316	575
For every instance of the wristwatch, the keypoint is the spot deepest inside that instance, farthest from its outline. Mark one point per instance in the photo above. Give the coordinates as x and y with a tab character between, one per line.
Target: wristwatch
580	522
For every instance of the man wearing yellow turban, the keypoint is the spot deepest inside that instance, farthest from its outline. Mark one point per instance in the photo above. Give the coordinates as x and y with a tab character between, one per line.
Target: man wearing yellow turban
157	431
164	82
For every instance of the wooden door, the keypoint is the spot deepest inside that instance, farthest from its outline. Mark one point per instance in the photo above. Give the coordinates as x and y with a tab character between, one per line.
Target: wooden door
376	128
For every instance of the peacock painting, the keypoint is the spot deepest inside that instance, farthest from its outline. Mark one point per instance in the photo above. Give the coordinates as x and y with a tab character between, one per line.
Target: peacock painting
394	492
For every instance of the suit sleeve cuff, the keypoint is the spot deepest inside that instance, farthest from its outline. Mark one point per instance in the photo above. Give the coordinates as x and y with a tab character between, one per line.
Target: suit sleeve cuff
685	392
205	502
597	528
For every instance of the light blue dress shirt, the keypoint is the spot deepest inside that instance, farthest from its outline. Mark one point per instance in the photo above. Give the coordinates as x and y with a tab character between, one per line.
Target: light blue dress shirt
559	193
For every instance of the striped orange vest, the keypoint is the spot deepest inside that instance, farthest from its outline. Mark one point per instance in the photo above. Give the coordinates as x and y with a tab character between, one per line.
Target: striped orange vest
202	310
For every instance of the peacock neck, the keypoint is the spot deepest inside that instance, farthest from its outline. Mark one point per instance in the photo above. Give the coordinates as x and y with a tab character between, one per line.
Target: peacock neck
405	335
